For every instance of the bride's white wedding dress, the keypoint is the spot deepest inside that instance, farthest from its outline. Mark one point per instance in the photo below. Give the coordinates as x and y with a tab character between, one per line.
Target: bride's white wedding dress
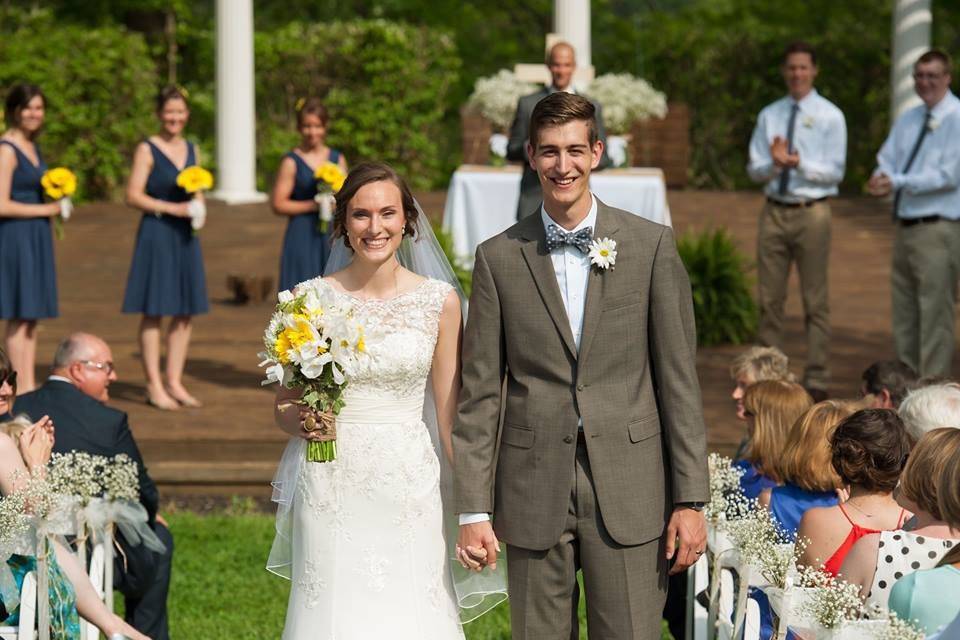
368	554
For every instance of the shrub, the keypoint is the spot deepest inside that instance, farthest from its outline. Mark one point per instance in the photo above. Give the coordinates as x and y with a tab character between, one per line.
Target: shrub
384	83
99	84
464	275
722	305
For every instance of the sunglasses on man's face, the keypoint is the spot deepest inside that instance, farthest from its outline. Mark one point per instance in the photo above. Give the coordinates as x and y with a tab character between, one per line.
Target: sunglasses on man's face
8	377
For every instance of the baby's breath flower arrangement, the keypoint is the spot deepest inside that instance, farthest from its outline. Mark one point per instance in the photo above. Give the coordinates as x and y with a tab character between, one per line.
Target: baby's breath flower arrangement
121	479
832	601
76	474
726	497
764	545
496	97
626	99
899	629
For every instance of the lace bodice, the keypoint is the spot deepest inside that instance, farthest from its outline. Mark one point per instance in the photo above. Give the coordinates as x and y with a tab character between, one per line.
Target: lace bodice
400	336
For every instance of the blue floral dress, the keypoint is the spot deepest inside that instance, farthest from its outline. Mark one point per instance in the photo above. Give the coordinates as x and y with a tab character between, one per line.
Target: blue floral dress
64	619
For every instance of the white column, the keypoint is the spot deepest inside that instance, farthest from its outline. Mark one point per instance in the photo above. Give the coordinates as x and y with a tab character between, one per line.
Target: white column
236	120
912	20
571	21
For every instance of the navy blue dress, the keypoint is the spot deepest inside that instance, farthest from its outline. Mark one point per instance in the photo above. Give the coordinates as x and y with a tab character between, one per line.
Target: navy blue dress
28	276
166	276
305	249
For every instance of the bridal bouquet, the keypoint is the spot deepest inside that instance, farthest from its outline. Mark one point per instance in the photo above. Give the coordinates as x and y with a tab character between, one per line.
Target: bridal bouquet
193	180
330	178
59	184
313	342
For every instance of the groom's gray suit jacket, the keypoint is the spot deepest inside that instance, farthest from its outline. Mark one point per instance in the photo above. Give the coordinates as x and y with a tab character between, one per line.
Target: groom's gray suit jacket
633	383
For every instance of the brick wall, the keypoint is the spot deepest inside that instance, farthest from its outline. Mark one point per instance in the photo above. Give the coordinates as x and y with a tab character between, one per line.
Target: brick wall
475	137
665	144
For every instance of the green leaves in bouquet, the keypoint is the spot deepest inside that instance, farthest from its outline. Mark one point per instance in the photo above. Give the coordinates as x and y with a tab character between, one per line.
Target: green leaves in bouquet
719	277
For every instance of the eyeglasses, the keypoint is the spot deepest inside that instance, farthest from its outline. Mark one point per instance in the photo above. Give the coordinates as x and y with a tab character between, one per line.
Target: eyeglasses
8	377
106	367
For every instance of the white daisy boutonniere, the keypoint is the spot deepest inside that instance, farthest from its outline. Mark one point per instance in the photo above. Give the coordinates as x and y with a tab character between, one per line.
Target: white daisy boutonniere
808	122
932	125
603	253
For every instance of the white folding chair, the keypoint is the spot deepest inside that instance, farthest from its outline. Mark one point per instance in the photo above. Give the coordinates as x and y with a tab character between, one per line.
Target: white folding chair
28	612
698	581
88	630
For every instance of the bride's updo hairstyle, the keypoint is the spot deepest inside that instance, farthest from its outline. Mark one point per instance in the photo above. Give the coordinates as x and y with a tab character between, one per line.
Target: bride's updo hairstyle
360	176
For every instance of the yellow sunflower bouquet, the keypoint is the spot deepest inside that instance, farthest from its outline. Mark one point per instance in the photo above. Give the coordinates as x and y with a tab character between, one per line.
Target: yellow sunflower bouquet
193	180
313	342
330	178
59	184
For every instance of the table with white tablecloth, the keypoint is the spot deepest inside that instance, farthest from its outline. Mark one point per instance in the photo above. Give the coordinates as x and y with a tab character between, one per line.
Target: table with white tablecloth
482	201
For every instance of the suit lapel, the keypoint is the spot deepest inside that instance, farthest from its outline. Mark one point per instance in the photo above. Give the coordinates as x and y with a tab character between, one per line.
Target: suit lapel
596	282
541	267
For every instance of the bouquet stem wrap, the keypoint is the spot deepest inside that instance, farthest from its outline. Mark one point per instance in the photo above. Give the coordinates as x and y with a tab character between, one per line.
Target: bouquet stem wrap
324	449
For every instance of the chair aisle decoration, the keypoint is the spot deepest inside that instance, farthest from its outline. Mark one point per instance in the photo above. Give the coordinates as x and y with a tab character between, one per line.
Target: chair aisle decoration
747	548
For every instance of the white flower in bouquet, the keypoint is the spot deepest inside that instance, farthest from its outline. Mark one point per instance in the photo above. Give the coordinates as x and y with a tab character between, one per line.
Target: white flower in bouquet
496	97
900	629
498	145
626	99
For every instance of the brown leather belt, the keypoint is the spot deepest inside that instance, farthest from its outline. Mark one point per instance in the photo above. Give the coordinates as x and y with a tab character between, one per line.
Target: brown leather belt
795	205
909	222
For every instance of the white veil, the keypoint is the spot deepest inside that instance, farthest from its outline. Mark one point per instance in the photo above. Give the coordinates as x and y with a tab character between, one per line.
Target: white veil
476	593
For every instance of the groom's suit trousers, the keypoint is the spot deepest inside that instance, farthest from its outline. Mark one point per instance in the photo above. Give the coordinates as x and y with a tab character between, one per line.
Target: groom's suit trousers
623	603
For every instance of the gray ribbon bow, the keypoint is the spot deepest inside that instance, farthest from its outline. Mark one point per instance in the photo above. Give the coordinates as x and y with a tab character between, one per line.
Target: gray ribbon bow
557	237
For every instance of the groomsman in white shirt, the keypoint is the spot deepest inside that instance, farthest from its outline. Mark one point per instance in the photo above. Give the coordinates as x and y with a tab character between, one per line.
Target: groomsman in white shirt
798	151
919	164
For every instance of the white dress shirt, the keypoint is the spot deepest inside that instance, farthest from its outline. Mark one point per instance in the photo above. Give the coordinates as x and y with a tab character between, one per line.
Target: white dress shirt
572	268
819	138
932	186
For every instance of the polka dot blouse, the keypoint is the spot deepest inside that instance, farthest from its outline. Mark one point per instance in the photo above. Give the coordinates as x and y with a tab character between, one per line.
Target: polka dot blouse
899	554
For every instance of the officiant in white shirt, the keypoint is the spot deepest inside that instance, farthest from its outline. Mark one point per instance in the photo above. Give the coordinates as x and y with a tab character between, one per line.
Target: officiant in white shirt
919	165
798	151
562	63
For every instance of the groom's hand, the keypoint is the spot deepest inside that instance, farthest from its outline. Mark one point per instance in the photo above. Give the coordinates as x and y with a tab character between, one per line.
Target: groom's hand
686	538
478	545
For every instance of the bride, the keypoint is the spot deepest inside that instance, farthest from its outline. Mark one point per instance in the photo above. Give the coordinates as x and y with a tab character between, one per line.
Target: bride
362	538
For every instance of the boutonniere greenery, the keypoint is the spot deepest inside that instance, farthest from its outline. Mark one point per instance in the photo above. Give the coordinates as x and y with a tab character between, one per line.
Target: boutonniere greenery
603	253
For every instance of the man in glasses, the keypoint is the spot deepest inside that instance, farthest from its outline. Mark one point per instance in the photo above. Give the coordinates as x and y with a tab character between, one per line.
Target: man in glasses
74	396
919	167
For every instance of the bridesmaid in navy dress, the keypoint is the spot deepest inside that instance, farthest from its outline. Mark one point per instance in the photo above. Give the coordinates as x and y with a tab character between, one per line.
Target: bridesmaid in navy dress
28	278
166	276
305	248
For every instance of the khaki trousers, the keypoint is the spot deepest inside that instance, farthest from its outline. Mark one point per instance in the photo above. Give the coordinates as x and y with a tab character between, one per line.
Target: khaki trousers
923	283
625	587
802	235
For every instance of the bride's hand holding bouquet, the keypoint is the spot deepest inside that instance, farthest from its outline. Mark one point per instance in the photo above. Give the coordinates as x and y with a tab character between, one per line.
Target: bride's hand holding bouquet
312	343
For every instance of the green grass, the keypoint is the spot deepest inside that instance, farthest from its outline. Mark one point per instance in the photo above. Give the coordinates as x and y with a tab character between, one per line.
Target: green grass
220	589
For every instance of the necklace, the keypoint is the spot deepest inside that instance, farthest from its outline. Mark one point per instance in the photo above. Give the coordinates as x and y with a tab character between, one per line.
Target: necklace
851	503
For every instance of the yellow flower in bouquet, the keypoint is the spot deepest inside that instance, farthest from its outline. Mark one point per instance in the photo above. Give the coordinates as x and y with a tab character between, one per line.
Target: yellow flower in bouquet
194	179
331	175
59	183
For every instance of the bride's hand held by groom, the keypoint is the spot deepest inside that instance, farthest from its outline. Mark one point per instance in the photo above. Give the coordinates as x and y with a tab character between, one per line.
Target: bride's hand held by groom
477	546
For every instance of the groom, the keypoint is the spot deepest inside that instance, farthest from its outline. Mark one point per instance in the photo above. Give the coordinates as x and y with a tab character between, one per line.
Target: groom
600	465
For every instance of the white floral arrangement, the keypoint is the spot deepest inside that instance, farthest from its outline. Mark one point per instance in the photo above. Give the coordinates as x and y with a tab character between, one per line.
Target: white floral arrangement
763	544
495	97
625	99
726	496
832	601
85	476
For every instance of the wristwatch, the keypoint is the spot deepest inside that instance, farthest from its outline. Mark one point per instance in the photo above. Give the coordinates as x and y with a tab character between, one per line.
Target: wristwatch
696	506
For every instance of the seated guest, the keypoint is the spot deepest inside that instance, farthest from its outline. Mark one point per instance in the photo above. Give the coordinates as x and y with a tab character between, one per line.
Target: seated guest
931	407
869	450
930	597
804	466
771	407
887	382
754	365
25	448
879	560
74	396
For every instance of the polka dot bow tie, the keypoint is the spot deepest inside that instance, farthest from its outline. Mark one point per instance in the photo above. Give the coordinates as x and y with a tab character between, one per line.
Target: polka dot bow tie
557	237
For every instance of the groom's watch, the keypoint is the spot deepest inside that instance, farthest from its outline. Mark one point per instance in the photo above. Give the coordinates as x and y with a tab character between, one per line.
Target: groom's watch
696	506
